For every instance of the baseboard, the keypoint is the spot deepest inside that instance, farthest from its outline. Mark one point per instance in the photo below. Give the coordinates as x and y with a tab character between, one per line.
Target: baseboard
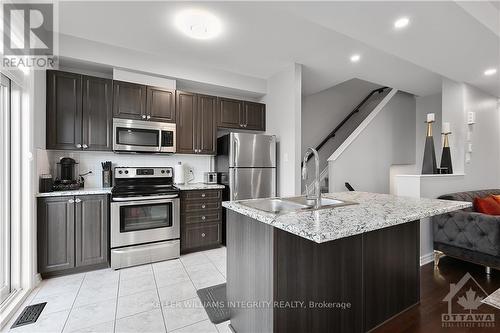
426	258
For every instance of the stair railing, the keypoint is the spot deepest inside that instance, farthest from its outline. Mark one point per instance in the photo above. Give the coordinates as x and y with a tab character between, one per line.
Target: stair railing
352	113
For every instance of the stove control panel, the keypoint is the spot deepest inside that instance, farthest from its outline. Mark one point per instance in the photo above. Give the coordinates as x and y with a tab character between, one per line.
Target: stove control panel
154	172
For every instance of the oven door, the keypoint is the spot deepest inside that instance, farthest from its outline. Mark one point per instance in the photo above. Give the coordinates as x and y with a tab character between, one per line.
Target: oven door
136	136
144	221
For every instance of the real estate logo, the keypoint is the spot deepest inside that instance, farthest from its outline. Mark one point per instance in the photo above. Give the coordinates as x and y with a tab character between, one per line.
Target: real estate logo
28	38
464	300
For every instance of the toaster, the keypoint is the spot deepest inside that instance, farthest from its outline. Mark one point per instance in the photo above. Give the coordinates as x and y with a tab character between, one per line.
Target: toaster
210	178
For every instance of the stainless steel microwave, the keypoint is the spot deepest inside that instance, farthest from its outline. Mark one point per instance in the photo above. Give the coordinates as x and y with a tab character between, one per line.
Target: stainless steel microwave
143	136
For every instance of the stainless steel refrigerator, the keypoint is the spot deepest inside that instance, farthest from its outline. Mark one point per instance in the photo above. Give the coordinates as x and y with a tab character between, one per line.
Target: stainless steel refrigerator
246	164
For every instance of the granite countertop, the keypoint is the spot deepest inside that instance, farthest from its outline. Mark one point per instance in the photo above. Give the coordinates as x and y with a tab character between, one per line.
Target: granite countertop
82	191
372	212
198	186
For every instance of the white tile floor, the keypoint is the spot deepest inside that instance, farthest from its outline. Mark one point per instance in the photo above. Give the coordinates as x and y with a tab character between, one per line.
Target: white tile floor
159	297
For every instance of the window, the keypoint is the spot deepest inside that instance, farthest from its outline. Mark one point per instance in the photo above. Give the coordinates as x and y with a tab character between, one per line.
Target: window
5	230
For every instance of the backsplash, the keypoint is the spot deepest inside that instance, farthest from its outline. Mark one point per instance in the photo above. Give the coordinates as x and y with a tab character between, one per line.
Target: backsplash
91	161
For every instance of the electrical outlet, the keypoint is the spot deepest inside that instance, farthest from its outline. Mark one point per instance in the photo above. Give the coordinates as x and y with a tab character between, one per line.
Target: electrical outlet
471	118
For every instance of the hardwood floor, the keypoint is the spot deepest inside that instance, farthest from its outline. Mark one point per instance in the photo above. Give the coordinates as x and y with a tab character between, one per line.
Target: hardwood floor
435	285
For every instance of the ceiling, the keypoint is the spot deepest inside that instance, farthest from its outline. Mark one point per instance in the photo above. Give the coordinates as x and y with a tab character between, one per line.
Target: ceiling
260	39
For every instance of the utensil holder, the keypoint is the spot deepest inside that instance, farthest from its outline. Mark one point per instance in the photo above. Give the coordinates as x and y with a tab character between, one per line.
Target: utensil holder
107	178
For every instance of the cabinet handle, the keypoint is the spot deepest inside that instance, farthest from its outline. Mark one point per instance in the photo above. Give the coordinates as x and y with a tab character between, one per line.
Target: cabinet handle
203	234
71	201
203	195
203	206
148	117
78	146
85	146
203	218
143	116
241	125
78	200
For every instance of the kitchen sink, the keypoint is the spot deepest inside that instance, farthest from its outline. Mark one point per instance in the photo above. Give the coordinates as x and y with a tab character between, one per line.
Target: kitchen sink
276	206
288	205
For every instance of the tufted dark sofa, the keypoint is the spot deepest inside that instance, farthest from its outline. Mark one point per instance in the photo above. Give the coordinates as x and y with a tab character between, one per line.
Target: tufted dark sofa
466	234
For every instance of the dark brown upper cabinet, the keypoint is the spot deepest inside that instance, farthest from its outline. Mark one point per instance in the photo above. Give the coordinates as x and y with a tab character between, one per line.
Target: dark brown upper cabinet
160	104
79	114
233	113
97	114
196	127
64	110
186	110
255	116
129	100
229	113
207	129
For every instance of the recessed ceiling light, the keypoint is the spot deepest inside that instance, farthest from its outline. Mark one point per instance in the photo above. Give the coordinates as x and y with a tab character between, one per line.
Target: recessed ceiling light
401	22
490	71
355	58
198	24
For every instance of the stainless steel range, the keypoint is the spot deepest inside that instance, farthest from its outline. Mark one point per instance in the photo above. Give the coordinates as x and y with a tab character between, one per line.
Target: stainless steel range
144	217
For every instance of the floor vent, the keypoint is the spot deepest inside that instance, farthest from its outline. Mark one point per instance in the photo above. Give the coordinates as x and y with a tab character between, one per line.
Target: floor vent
29	315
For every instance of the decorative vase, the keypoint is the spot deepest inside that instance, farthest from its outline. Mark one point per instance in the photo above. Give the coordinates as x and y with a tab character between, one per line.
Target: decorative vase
446	155
429	165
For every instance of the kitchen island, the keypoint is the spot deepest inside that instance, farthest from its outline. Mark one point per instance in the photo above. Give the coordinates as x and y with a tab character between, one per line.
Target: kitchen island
342	269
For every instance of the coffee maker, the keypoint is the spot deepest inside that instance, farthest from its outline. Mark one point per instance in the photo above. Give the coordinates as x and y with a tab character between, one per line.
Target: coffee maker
67	178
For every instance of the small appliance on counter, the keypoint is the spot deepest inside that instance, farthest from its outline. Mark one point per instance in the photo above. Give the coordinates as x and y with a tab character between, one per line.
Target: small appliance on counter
67	179
210	178
46	183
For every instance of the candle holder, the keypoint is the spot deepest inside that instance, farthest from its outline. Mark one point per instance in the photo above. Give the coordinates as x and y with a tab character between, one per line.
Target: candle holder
429	164
446	154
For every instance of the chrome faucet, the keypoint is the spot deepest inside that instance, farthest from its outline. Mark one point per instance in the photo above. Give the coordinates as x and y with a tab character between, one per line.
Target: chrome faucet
317	196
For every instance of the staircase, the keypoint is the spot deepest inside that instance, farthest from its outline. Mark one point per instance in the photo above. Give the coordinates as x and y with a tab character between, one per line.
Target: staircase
344	129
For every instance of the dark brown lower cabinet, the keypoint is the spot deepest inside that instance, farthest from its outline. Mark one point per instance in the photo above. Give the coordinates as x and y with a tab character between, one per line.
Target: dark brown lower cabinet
72	234
201	220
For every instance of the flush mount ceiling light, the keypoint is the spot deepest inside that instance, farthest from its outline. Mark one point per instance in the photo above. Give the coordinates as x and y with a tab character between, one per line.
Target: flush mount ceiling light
490	71
355	58
401	22
198	24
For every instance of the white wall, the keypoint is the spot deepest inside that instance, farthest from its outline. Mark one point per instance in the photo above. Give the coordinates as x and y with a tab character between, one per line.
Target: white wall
425	105
453	111
483	169
283	112
99	53
91	161
389	139
323	111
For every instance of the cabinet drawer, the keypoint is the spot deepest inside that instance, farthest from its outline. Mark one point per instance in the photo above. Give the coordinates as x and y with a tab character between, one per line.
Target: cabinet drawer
201	234
202	217
200	205
202	195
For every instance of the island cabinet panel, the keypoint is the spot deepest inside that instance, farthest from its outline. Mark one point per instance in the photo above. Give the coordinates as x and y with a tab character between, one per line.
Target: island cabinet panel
250	273
391	272
319	276
351	284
